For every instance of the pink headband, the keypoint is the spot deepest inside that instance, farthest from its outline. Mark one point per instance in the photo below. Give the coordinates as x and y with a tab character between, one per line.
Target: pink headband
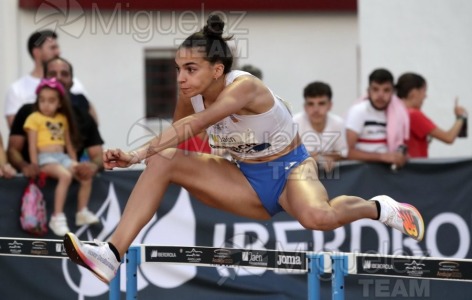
52	83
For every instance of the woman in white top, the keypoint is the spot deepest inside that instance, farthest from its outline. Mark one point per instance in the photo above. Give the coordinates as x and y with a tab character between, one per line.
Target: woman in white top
271	171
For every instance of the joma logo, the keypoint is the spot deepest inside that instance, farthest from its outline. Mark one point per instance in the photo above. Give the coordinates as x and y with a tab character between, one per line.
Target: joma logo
289	260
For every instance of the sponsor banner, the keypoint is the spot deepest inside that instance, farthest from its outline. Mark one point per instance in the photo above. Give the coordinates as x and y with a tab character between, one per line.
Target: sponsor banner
415	267
230	257
256	258
454	270
34	248
291	260
183	220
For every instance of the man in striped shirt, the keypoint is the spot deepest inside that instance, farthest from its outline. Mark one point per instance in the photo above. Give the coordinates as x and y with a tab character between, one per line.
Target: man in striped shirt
366	123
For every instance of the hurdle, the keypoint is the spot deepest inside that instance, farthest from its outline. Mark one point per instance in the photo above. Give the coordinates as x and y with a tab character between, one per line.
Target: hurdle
339	265
314	264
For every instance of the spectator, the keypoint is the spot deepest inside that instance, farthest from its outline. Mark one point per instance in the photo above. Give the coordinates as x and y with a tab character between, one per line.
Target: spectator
52	135
378	128
42	46
253	70
321	131
90	141
411	88
6	170
61	69
90	138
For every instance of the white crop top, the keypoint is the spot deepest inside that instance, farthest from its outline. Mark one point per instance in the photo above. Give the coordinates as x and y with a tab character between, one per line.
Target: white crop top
251	136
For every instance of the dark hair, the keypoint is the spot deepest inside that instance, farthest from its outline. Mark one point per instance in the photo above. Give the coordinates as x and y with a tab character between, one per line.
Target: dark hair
66	110
253	70
381	76
46	64
317	89
38	38
211	39
408	82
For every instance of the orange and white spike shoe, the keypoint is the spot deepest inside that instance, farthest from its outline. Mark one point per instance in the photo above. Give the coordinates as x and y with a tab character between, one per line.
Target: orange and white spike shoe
401	216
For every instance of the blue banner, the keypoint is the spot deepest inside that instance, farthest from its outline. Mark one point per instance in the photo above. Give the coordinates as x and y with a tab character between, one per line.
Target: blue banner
439	190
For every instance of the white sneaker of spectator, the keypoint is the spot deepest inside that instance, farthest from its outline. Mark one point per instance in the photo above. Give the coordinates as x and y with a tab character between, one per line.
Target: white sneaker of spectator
85	217
58	224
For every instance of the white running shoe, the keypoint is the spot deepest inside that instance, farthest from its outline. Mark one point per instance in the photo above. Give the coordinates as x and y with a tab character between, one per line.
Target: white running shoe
97	258
85	217
401	216
58	224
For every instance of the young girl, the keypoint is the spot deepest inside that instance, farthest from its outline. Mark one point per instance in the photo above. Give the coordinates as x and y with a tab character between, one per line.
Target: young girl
51	132
271	172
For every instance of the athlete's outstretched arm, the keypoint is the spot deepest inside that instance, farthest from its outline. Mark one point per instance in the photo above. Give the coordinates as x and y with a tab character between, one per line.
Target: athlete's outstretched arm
231	100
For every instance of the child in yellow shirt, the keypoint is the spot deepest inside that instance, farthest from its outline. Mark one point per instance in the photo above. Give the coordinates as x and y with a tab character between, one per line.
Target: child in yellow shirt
52	134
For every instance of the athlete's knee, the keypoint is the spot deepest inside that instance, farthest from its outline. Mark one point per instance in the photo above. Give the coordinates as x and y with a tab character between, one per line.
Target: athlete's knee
318	219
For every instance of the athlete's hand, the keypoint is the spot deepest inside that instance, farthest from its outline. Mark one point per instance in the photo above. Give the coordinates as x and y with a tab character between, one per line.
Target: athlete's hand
117	158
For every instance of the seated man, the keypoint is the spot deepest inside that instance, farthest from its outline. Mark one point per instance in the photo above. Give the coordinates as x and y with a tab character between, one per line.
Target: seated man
90	141
377	128
321	131
90	137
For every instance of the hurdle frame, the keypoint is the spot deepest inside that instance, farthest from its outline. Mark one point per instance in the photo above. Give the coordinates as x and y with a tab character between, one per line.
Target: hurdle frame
314	264
317	265
336	264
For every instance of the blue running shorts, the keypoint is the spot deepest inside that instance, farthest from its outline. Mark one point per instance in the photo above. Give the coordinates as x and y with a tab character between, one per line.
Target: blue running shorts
268	179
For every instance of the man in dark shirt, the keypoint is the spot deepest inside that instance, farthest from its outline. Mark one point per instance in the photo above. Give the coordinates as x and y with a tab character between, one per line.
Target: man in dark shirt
91	140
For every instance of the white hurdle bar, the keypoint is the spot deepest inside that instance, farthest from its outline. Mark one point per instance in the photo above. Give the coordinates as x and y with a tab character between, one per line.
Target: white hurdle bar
315	264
